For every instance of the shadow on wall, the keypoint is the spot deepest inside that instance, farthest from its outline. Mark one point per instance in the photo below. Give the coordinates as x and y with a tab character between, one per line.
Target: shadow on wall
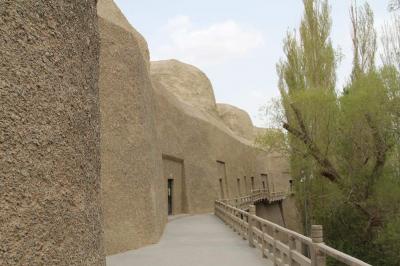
271	211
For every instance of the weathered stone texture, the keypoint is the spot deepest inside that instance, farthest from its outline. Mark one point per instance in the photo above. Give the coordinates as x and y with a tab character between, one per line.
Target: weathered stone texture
186	82
110	12
292	214
271	212
160	121
236	120
200	137
49	134
133	202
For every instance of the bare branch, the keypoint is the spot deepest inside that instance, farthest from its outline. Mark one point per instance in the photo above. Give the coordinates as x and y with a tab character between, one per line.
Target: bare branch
394	5
327	167
380	153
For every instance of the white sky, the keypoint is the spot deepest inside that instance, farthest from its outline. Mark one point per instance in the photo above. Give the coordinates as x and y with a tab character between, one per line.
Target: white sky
236	43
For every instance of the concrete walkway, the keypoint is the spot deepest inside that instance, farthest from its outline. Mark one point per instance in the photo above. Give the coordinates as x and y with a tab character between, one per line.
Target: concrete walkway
199	240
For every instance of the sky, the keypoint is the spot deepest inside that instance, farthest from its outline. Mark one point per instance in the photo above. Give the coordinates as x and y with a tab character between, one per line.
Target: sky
236	43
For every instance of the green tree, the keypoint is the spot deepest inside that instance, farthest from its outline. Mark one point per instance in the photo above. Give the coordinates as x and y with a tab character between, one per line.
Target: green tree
394	5
364	39
344	148
391	43
307	75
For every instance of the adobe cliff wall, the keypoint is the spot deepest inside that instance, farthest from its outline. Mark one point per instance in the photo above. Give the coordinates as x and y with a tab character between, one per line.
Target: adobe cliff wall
50	209
133	193
164	139
191	127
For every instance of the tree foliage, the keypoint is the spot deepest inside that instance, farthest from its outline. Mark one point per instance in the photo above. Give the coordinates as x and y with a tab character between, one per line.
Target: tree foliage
391	43
394	5
364	39
344	148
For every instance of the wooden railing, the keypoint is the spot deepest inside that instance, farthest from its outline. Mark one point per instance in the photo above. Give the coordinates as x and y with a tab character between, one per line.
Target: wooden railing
281	245
257	195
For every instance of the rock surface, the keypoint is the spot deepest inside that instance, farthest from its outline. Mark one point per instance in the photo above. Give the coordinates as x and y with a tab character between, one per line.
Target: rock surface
236	120
133	202
50	211
203	142
187	83
107	10
160	125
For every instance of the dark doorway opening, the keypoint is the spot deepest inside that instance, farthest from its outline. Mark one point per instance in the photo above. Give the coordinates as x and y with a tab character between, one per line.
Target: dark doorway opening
221	187
238	187
291	186
174	174
264	178
170	189
223	179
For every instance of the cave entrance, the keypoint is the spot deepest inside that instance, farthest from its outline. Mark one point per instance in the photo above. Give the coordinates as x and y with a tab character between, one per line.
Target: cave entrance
170	193
174	174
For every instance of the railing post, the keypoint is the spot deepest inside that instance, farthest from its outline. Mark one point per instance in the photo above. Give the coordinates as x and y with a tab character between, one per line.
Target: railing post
245	224
232	221
264	241
317	257
275	248
235	222
228	218
292	246
252	214
226	214
242	228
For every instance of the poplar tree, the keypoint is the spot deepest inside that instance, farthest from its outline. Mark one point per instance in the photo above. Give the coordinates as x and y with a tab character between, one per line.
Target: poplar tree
307	81
343	147
364	39
394	5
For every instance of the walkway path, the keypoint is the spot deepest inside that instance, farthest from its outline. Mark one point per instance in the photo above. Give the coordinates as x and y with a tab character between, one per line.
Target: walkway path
199	240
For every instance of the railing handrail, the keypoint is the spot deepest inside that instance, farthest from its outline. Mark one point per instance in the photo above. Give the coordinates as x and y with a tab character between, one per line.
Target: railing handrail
341	256
254	229
256	195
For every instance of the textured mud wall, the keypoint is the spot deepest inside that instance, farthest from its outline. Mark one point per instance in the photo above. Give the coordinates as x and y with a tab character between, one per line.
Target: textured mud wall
237	120
201	137
134	204
187	83
152	113
174	169
49	134
291	214
271	212
277	168
222	181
